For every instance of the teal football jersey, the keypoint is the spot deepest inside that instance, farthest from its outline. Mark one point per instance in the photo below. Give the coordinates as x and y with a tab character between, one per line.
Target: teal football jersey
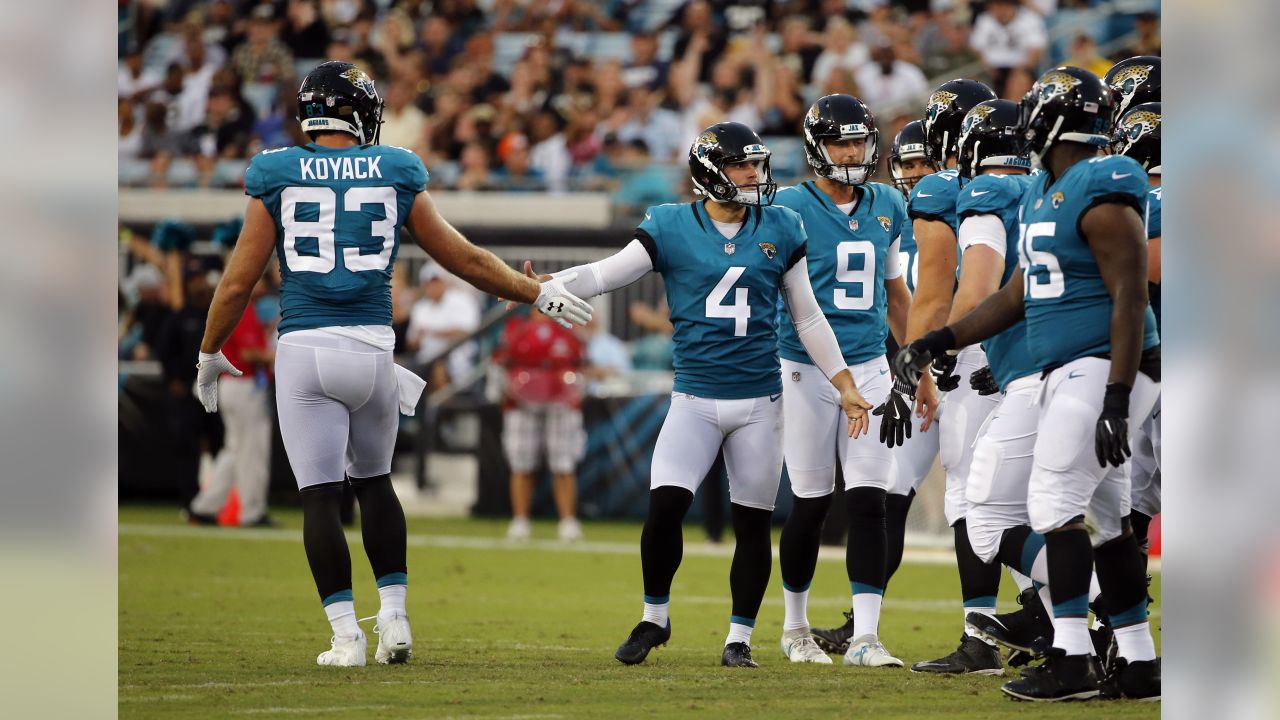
338	214
1153	231
934	197
1001	196
1068	308
847	254
723	294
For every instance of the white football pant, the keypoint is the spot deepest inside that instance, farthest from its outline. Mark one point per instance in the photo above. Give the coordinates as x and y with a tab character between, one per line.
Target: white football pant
963	412
996	489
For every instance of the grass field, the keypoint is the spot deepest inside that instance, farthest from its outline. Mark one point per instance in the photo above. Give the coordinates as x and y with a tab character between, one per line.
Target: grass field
226	623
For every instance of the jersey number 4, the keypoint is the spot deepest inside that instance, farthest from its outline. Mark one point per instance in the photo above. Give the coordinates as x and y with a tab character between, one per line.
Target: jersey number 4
739	311
322	228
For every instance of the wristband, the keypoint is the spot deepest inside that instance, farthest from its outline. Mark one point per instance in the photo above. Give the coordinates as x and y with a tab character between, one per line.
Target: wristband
1115	403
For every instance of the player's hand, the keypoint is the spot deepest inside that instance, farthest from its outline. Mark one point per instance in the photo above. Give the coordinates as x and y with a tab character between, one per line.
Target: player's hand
528	272
944	372
855	408
558	303
895	415
984	381
209	367
926	402
908	364
1111	437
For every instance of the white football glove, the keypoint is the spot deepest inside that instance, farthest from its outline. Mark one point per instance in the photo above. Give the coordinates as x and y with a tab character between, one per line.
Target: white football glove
207	372
560	305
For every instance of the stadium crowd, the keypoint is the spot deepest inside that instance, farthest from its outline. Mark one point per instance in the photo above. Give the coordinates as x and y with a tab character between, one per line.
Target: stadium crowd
557	95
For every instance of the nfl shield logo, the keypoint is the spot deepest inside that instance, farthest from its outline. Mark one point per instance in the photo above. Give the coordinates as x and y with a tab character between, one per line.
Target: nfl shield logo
853	225
795	377
729	248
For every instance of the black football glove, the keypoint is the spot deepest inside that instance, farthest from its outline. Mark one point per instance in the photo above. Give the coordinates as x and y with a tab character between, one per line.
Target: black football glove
1111	438
895	425
911	360
983	381
944	372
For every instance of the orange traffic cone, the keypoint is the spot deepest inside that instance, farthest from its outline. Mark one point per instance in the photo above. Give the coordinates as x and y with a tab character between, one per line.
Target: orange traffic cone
230	514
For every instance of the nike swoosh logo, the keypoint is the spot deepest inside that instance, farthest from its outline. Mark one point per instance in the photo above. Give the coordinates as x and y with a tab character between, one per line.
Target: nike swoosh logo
1072	375
924	195
884	372
1117	176
774	398
975	193
647	216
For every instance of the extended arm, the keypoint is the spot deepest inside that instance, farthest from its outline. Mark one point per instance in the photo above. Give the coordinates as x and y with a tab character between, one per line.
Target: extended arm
936	261
245	266
1118	242
899	307
982	242
616	271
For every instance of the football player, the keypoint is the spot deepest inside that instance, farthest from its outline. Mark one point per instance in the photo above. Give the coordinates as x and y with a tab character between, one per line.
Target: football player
725	260
932	208
1133	81
1082	291
853	262
332	211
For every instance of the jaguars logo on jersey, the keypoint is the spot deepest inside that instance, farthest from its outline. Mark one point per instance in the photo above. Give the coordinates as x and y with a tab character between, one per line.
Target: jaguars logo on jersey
1130	79
937	103
1057	199
885	223
1136	124
357	77
769	249
1053	84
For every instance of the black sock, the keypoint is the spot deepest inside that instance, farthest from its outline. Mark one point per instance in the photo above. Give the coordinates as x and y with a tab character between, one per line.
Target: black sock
1141	524
979	581
752	560
1070	557
323	540
896	508
865	555
1122	577
662	541
1014	548
382	527
798	548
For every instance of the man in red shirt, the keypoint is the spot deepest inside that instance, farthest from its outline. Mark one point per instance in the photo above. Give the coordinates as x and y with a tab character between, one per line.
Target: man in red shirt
542	414
245	459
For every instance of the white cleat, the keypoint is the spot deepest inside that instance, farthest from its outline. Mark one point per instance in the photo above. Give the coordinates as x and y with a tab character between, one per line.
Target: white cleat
344	652
866	651
520	529
395	642
570	530
799	647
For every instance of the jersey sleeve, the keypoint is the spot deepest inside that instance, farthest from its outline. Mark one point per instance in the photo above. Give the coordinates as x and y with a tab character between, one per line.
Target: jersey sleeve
798	245
255	177
988	195
1153	213
412	176
649	237
1116	179
934	198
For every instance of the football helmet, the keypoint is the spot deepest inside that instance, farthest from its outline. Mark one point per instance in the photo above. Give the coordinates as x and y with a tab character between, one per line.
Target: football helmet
720	145
1137	135
908	144
840	117
338	96
989	138
946	110
1066	103
1134	81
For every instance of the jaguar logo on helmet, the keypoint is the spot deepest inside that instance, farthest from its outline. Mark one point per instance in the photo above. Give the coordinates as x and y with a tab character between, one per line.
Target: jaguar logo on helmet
1053	84
357	77
937	103
1129	79
1136	124
885	223
978	113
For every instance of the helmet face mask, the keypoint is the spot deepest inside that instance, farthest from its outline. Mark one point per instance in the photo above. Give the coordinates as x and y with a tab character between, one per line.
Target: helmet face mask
989	138
1137	135
836	118
909	148
1066	104
723	145
340	97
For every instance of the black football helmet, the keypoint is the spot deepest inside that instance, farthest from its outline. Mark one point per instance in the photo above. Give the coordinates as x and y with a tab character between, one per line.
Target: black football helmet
989	138
1137	135
840	117
908	145
1066	103
338	96
720	145
1134	81
946	110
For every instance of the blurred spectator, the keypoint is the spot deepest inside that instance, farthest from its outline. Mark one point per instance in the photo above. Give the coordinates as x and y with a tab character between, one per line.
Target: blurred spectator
1084	54
700	37
305	32
133	79
438	45
160	144
277	128
184	102
1147	29
516	174
129	142
653	350
475	173
263	59
243	403
888	81
644	69
646	120
799	53
841	49
443	315
606	355
226	131
550	154
403	123
943	44
644	183
1008	36
144	291
542	417
786	114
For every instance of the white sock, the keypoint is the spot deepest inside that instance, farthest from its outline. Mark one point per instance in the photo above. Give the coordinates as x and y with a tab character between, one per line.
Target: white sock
1135	642
866	614
738	633
796	610
964	613
1071	634
656	613
1047	600
392	601
1022	581
342	618
1094	588
1040	567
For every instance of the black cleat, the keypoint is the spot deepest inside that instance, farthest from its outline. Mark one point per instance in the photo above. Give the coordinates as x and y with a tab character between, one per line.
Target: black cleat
1029	630
195	518
836	640
737	655
973	657
1133	680
643	638
1104	648
1060	678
